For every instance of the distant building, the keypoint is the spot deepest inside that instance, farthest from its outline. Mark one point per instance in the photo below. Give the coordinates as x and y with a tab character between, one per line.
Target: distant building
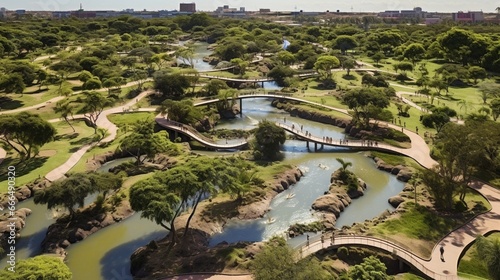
3	12
20	12
468	16
264	11
187	8
432	20
416	13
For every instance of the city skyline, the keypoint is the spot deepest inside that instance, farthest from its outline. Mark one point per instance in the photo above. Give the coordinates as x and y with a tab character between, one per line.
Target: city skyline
487	6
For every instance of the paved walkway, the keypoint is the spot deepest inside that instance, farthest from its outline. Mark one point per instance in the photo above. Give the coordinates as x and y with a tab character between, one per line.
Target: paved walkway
59	98
211	276
453	244
194	134
102	122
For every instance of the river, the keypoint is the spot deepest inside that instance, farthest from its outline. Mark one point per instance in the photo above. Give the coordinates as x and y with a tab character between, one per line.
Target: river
106	254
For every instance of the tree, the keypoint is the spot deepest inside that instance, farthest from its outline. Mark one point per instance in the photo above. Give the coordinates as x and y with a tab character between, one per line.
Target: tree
144	144
232	49
277	261
40	268
488	90
377	57
92	84
157	203
414	52
495	108
435	120
26	133
64	109
345	43
88	63
93	105
370	269
214	86
477	73
366	103
325	64
240	65
286	57
489	250
68	193
349	64
186	55
463	46
280	73
170	84
12	83
268	139
403	66
181	111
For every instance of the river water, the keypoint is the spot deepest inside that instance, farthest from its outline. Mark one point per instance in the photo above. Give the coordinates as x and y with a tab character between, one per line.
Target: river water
106	254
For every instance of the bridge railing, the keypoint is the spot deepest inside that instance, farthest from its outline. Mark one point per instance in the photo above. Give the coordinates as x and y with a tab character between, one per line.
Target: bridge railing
322	241
197	135
339	142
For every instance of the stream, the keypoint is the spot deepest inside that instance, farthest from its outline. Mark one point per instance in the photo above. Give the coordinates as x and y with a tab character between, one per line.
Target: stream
106	254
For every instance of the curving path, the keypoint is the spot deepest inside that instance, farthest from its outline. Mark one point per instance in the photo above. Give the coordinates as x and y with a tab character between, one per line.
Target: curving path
102	122
192	133
59	98
454	243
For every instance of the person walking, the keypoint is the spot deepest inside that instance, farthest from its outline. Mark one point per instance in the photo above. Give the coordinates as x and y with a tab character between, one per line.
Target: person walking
441	250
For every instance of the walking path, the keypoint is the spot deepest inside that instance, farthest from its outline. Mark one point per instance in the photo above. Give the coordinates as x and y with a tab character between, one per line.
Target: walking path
453	244
59	98
102	122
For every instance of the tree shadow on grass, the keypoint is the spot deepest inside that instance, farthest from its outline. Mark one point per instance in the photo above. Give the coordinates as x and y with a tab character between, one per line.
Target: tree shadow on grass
349	77
221	210
7	103
24	167
116	262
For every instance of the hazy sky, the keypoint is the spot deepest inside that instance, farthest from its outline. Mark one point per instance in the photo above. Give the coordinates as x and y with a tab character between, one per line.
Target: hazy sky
281	5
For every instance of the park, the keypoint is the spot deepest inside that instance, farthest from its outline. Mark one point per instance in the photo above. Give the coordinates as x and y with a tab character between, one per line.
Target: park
161	148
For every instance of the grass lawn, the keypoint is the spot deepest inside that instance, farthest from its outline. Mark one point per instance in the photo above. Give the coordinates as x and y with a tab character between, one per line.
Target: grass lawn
471	265
407	276
423	228
129	119
396	159
30	97
51	155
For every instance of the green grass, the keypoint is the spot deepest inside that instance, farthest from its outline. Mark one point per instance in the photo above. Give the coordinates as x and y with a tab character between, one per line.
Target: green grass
129	119
51	155
422	227
471	265
408	276
396	159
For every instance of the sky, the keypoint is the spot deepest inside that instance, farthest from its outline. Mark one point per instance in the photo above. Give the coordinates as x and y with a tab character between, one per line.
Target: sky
252	5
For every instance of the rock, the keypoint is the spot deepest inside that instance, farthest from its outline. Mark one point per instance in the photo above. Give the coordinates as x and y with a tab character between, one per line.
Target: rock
396	200
328	203
77	235
64	244
23	193
395	170
404	175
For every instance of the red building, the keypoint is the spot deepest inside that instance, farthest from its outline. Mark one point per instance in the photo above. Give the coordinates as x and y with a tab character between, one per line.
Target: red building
187	7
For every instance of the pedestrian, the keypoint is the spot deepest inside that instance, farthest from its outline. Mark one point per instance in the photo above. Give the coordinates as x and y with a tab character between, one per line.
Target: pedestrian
441	249
416	128
301	127
404	124
284	119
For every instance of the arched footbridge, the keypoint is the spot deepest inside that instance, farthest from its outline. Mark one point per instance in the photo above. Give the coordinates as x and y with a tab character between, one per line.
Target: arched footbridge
428	267
195	135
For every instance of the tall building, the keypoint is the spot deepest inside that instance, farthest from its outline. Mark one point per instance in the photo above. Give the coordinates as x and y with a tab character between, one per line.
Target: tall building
468	16
187	7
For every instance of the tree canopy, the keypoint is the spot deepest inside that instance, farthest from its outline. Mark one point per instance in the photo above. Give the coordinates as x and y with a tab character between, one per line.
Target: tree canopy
268	139
26	133
39	268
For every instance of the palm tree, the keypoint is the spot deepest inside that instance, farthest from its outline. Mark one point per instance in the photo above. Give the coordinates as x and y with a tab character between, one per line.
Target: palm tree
489	250
344	164
64	110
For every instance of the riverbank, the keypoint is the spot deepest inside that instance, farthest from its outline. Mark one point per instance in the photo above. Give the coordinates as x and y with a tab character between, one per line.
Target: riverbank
195	255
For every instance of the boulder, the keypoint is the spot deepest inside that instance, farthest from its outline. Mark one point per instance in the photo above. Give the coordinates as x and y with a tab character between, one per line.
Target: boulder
329	203
77	235
404	175
23	193
396	200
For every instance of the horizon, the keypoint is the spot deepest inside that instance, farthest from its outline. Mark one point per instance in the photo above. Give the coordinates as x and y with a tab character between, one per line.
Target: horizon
373	6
